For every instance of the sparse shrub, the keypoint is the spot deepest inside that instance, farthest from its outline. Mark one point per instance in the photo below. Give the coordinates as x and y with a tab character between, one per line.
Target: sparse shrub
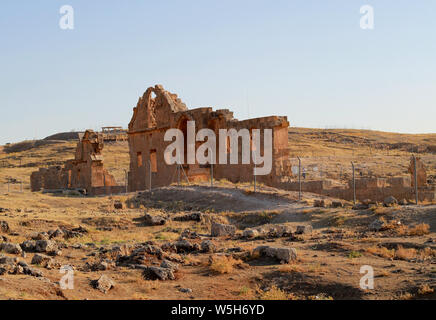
381	252
354	254
425	289
419	230
274	294
405	254
321	296
223	264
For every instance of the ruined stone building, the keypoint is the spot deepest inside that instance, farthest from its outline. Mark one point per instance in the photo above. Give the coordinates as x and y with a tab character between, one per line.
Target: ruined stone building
86	171
159	110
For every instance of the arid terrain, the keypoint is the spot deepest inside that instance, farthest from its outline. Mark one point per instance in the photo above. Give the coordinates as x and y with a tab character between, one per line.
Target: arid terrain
160	244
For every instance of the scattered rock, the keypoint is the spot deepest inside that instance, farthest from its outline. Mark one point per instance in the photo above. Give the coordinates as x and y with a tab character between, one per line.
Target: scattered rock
319	203
284	255
4	227
56	233
158	273
361	206
189	235
184	246
29	246
42	260
208	246
104	284
11	248
403	202
306	229
219	230
8	260
40	236
194	216
250	233
154	220
185	290
169	265
377	225
118	205
337	204
390	201
47	246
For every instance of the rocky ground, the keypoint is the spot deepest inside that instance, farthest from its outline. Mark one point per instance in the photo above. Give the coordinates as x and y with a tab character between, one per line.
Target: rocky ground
197	242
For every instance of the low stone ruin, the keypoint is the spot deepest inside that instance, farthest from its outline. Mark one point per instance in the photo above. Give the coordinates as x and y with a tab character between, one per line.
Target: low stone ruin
85	172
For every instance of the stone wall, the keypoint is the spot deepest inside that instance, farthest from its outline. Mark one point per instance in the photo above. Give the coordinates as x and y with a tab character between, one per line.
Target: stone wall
159	110
86	171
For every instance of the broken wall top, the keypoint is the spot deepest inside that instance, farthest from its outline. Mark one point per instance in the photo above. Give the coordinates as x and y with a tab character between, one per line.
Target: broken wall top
165	109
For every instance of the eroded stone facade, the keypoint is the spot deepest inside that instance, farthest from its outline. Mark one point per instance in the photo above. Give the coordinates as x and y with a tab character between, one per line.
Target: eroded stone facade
159	110
86	171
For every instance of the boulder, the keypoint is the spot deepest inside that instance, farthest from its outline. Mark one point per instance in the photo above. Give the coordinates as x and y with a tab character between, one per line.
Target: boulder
219	230
42	260
46	246
319	203
169	265
28	246
104	284
306	229
283	255
4	227
11	248
8	260
40	236
56	233
184	246
377	225
337	204
154	220
250	233
208	246
118	205
390	201
158	273
194	216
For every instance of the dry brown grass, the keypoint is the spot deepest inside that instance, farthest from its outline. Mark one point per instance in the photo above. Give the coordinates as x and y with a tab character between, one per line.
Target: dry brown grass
418	230
223	264
274	293
291	268
381	252
425	289
405	253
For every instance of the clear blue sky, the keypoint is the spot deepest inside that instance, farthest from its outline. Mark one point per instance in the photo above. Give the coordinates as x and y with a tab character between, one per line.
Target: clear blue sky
307	59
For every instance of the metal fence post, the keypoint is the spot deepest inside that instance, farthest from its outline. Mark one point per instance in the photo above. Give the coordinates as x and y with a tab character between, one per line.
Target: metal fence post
299	178
149	173
211	174
416	180
126	179
354	183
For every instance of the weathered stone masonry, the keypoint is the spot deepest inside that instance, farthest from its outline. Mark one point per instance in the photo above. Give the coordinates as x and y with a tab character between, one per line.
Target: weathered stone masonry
86	171
159	110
